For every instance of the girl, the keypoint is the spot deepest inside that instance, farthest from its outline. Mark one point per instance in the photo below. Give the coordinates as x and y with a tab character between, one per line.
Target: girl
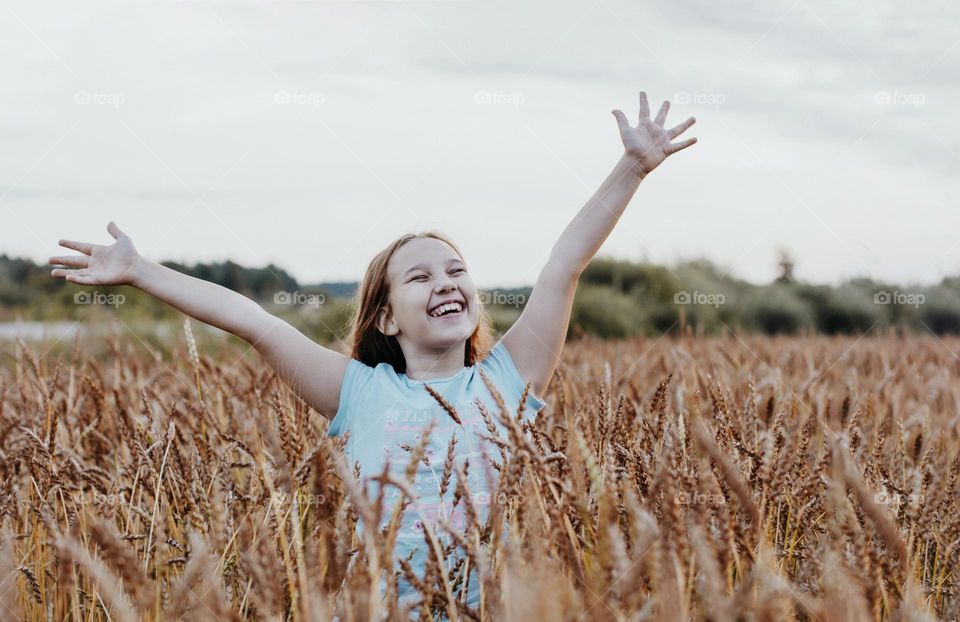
419	324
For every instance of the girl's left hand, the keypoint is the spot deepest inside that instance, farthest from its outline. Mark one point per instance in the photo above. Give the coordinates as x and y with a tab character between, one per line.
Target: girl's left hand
649	143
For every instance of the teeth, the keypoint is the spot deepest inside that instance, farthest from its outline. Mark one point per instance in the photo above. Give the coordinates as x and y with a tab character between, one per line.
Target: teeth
451	306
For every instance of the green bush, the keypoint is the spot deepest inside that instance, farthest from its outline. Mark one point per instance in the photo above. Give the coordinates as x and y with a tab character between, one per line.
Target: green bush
843	310
603	312
649	282
940	311
776	309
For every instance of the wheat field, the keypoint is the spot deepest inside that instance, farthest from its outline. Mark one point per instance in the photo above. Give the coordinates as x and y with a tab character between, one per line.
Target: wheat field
723	479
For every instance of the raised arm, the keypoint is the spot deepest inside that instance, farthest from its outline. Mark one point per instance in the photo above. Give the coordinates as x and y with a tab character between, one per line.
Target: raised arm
311	370
536	339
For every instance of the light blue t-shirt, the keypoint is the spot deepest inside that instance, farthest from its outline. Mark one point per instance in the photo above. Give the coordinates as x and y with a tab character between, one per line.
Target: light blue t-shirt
383	410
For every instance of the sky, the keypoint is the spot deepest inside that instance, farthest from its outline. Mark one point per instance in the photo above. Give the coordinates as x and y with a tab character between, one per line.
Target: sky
312	133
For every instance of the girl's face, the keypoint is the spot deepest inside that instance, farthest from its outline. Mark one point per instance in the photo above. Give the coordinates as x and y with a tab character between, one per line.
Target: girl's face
424	273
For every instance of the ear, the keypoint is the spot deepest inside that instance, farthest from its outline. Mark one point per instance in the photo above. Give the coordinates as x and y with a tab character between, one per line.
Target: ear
385	322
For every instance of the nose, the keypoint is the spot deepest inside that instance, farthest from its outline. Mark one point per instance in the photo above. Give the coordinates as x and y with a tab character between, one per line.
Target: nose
445	284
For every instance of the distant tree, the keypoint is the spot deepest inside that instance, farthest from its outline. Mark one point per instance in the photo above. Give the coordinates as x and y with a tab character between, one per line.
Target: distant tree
785	264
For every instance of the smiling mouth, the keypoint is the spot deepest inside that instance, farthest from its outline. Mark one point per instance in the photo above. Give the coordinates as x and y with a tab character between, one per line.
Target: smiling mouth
447	310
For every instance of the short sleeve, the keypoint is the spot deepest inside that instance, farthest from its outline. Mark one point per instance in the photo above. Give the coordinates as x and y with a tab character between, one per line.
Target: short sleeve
501	364
355	380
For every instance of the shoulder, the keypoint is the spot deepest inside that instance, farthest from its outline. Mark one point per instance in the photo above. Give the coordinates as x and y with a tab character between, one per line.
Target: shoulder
361	383
499	365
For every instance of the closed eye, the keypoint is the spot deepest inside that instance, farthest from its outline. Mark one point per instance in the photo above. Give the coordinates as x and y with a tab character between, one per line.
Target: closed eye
420	277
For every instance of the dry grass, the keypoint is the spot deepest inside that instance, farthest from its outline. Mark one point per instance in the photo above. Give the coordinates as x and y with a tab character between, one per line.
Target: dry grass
726	479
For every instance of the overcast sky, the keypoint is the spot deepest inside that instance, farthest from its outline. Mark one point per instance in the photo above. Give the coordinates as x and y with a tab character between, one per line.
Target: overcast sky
310	134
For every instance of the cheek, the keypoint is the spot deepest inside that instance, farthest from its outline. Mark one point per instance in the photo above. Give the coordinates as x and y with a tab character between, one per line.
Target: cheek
411	303
400	306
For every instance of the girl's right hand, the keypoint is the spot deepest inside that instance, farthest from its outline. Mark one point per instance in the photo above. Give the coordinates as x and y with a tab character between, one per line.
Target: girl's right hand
99	265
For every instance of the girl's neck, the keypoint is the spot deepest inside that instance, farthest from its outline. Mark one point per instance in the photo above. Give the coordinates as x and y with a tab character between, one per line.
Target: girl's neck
425	365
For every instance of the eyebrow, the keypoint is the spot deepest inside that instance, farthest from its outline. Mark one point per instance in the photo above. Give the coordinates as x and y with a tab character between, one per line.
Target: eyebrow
420	266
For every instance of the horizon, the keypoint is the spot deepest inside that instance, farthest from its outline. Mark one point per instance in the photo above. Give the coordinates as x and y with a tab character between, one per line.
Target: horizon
725	274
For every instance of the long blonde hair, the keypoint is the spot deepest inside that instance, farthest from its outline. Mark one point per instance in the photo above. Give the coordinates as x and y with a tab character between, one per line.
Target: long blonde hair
369	345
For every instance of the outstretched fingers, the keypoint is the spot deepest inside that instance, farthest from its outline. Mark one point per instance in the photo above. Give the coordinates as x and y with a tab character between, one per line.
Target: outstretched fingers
675	147
74	261
680	129
114	230
621	120
644	107
74	276
83	247
662	115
